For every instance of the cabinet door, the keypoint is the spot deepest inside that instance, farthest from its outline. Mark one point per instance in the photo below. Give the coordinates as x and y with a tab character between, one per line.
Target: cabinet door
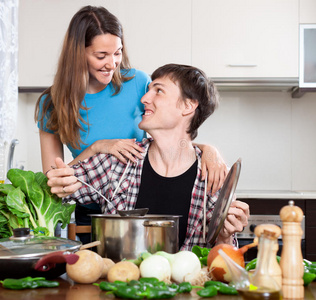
156	32
307	11
245	38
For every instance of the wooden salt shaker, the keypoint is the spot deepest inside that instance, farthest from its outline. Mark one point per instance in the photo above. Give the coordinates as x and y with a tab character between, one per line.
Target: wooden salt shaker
274	269
291	256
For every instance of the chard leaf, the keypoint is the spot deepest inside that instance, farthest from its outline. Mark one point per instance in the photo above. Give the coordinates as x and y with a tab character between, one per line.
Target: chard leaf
5	215
17	205
2	203
34	193
10	220
56	211
42	180
6	188
29	186
3	219
5	231
49	209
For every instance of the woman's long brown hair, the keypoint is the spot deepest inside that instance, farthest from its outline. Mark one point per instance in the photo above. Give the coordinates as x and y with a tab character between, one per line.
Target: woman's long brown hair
64	98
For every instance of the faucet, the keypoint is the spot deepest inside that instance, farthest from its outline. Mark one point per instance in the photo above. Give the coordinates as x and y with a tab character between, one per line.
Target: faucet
14	142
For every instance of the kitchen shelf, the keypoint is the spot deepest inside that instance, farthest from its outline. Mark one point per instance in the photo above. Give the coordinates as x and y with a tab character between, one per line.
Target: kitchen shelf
256	84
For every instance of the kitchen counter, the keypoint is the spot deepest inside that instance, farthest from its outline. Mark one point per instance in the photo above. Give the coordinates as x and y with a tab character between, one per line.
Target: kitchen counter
275	194
69	291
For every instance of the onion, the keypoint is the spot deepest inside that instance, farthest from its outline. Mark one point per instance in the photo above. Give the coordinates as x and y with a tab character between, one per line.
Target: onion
216	265
185	265
156	266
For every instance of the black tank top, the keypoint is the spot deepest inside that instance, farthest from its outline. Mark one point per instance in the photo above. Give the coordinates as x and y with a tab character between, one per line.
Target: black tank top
167	195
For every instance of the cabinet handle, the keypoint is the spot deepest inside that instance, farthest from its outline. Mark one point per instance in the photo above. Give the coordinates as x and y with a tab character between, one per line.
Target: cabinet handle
242	65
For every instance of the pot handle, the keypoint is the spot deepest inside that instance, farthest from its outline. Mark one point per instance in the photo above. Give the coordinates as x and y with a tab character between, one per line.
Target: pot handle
159	223
50	260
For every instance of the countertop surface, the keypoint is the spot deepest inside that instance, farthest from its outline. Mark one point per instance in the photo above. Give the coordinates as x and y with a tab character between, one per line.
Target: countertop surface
69	291
275	194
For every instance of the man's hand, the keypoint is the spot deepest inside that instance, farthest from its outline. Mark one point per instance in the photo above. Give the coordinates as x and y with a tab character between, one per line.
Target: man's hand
236	220
62	180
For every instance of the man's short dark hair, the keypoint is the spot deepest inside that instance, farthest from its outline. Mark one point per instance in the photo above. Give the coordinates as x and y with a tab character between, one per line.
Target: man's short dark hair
195	85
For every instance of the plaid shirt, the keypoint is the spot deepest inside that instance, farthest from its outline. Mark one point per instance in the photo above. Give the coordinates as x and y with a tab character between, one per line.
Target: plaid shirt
104	171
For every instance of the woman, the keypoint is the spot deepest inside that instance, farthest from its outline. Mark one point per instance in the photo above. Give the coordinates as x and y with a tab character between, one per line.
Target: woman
94	104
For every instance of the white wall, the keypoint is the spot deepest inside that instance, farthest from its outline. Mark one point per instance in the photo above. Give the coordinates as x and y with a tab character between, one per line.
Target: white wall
28	152
272	133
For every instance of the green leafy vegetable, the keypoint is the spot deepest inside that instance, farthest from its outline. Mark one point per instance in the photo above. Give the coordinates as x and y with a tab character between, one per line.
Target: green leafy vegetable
201	253
28	202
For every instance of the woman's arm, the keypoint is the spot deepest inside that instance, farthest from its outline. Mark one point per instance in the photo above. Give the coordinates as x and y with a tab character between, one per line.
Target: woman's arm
213	164
123	149
51	147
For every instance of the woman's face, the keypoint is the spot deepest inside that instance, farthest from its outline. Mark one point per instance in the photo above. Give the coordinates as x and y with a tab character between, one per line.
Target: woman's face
104	55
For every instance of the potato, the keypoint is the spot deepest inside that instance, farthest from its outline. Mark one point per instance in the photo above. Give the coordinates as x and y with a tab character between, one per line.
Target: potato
107	264
216	265
123	271
87	269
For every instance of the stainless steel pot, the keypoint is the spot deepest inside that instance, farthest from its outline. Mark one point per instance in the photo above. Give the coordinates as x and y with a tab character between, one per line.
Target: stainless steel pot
127	237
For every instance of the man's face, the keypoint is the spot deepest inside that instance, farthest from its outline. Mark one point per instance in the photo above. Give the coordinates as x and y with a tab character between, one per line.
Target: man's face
163	106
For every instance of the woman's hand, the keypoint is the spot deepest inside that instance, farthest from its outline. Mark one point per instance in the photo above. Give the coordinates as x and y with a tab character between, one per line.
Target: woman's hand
123	149
213	164
62	180
236	220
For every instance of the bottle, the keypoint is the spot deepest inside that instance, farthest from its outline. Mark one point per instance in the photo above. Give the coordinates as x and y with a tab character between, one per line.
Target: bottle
291	256
274	268
262	277
2	162
264	286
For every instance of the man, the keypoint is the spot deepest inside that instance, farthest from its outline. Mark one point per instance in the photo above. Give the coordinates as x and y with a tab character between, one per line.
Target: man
168	181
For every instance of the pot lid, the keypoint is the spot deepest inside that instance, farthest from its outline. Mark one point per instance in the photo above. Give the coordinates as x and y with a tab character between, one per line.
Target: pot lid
223	202
23	245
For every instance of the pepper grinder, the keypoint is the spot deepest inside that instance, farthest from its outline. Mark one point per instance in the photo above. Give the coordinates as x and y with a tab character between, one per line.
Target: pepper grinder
274	269
291	256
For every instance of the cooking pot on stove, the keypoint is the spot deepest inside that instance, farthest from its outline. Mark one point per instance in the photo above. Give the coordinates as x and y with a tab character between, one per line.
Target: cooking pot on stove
25	255
127	237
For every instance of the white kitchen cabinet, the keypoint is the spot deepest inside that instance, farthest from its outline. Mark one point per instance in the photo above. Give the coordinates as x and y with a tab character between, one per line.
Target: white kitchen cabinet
155	34
245	38
308	11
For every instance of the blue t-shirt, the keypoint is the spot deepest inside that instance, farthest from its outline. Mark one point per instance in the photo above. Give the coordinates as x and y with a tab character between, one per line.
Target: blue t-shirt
112	117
